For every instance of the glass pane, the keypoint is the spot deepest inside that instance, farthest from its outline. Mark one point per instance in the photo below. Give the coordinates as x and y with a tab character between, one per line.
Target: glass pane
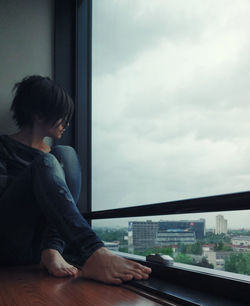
218	241
170	100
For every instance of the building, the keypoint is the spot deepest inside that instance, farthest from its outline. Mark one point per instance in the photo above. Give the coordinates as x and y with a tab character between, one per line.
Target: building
217	259
175	236
144	235
241	243
221	225
196	226
141	235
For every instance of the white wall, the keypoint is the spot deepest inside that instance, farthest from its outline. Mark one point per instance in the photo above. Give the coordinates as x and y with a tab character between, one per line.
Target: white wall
26	47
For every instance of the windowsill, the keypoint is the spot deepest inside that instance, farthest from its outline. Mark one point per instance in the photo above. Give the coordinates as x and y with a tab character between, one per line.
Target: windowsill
182	295
193	284
192	268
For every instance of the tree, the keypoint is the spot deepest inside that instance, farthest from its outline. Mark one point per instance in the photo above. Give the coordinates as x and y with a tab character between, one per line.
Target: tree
196	248
238	263
216	238
204	263
182	248
218	246
183	258
111	234
123	249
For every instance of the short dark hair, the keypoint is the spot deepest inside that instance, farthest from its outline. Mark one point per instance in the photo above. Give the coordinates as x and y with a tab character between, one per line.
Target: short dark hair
37	95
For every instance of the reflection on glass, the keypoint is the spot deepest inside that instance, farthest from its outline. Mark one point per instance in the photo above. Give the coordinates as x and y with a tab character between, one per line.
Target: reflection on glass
170	100
218	241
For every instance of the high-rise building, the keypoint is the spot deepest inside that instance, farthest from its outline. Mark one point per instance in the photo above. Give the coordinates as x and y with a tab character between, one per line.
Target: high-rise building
141	235
144	235
221	225
196	226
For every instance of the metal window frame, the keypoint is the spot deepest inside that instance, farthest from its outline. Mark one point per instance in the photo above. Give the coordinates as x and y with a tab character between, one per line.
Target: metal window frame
72	69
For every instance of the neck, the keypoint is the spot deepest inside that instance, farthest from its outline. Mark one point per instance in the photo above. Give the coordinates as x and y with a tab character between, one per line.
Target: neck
31	137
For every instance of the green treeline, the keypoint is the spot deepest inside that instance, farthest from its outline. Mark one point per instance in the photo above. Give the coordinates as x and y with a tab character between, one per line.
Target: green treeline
111	234
238	263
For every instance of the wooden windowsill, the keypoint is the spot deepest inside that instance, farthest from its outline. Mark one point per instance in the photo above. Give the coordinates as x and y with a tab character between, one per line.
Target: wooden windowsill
30	285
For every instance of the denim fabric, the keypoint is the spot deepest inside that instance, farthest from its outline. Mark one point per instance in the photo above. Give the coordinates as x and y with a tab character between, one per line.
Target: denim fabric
39	210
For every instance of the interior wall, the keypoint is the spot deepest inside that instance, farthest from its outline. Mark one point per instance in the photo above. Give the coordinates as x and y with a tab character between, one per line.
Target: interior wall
27	47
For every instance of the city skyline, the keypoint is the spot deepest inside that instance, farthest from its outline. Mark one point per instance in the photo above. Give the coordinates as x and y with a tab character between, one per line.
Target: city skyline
210	221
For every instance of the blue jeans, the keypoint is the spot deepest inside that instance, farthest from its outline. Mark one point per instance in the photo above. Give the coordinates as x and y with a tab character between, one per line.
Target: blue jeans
39	211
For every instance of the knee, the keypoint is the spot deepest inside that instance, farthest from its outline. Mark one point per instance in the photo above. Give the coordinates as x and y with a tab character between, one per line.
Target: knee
64	152
64	149
49	160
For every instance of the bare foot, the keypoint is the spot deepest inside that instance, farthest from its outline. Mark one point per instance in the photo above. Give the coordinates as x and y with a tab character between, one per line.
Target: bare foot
108	268
53	261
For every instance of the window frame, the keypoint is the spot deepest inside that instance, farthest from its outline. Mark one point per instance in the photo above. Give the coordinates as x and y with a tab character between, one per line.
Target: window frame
72	69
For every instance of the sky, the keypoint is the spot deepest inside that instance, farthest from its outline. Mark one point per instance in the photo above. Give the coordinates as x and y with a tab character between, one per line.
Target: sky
170	102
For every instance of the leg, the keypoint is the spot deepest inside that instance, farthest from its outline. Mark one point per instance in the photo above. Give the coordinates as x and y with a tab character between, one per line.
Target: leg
53	243
69	162
57	204
54	201
50	198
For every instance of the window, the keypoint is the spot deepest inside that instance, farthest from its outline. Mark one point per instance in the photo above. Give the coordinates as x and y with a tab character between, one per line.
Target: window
211	240
170	101
200	149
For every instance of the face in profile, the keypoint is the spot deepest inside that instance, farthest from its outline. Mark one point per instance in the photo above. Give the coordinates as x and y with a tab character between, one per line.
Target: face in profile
55	131
58	129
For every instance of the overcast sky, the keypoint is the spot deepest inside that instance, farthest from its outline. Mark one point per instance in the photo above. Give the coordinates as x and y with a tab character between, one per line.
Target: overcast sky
171	102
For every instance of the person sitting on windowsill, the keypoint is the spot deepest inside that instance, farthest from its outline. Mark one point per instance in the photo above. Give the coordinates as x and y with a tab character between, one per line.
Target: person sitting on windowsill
39	190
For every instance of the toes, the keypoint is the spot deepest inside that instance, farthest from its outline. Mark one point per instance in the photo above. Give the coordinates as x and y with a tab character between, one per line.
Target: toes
145	276
69	271
146	269
75	271
136	265
137	276
72	271
125	277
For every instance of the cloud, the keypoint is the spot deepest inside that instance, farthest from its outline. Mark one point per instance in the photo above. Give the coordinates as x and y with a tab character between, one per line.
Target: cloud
170	100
